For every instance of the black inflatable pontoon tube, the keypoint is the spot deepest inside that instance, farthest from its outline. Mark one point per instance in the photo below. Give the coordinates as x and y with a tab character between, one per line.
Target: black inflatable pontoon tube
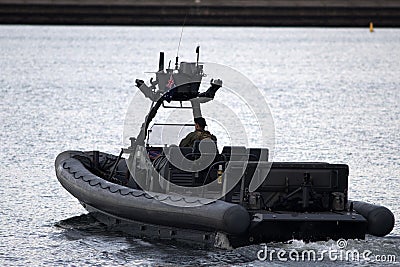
380	219
137	205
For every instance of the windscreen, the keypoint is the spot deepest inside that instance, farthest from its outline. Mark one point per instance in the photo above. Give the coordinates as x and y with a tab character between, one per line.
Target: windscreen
168	134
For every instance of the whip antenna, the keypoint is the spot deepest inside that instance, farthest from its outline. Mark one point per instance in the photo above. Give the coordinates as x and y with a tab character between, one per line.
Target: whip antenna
179	44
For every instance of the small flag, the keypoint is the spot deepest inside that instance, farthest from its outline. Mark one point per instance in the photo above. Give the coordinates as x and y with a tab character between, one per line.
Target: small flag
170	83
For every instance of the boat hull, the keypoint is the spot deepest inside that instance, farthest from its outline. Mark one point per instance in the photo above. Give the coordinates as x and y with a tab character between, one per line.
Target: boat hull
215	223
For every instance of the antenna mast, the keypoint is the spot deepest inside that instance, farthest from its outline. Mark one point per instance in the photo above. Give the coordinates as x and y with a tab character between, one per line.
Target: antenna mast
179	45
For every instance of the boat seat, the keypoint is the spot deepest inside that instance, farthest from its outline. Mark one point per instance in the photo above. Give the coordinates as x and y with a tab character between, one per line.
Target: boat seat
234	153
204	150
205	146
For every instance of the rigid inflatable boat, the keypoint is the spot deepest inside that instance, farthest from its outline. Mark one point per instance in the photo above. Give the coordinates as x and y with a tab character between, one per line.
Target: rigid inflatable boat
161	192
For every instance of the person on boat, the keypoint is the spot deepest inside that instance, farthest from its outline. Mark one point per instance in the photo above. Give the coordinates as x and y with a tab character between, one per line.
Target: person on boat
199	134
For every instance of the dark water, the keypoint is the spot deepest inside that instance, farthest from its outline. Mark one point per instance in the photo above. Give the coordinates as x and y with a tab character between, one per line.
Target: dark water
334	95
